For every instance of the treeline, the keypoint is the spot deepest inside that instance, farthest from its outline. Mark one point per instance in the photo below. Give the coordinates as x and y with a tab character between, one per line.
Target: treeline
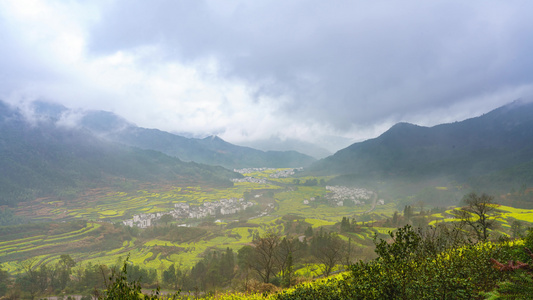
269	262
66	277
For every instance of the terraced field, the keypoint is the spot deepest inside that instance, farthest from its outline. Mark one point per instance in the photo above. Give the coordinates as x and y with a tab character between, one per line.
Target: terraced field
97	241
45	247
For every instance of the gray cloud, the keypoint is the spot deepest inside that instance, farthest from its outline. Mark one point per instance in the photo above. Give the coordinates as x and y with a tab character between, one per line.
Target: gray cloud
341	68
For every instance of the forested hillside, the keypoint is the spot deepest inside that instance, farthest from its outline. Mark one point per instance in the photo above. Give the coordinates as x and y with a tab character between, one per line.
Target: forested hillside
41	158
210	150
497	146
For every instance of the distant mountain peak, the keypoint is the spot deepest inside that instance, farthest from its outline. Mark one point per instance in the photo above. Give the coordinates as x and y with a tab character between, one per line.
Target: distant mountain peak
213	138
104	121
404	125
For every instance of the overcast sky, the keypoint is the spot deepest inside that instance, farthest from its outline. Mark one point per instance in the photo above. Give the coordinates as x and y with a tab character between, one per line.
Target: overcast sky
329	72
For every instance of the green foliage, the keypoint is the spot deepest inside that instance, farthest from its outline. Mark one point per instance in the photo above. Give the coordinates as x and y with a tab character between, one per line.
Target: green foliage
519	281
4	281
412	268
7	217
417	264
332	289
120	287
519	286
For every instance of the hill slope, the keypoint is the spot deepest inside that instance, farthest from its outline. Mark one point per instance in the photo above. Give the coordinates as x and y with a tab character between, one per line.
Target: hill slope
41	158
498	140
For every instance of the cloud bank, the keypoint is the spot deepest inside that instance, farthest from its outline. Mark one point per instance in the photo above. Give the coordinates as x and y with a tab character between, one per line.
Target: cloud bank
324	72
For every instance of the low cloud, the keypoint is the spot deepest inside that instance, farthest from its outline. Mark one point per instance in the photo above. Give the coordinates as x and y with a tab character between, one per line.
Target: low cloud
310	70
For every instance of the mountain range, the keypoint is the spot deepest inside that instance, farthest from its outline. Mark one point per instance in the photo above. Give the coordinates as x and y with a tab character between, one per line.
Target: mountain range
40	157
210	150
497	145
54	149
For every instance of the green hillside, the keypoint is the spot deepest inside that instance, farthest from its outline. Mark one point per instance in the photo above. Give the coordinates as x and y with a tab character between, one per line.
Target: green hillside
42	159
497	142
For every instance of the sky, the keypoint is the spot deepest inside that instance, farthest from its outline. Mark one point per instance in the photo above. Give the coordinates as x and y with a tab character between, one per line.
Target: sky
325	72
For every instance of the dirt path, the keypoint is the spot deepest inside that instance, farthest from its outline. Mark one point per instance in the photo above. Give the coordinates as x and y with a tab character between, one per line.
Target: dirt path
374	201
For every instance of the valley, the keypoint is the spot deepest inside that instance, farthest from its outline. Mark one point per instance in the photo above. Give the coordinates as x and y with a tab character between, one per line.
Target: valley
94	229
271	198
76	196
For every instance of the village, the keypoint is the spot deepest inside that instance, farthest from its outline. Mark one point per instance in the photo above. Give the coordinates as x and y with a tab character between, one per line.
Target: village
278	174
342	196
184	211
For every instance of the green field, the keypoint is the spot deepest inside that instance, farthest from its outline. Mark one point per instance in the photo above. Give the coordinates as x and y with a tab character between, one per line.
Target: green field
89	237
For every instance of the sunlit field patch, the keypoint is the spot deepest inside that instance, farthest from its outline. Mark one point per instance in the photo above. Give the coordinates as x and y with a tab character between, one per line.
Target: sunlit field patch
519	214
318	223
108	212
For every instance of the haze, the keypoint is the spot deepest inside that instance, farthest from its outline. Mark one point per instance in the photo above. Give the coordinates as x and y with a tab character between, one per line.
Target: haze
328	73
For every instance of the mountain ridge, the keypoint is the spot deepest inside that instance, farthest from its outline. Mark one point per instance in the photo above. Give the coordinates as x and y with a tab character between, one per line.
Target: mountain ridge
210	150
499	139
41	158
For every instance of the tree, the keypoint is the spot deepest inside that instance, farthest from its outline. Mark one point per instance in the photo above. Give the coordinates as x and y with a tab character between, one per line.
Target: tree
244	261
407	213
328	249
395	219
63	270
166	218
286	253
169	276
345	225
516	229
30	280
227	264
480	214
264	258
119	287
4	281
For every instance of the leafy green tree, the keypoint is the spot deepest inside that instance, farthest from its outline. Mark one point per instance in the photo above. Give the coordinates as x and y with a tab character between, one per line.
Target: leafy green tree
169	276
166	218
345	225
244	261
286	253
63	269
119	287
4	281
407	213
227	264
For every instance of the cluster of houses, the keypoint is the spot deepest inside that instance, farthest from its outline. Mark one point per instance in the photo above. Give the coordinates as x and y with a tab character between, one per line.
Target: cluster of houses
285	173
339	194
251	170
279	174
186	211
250	179
142	220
